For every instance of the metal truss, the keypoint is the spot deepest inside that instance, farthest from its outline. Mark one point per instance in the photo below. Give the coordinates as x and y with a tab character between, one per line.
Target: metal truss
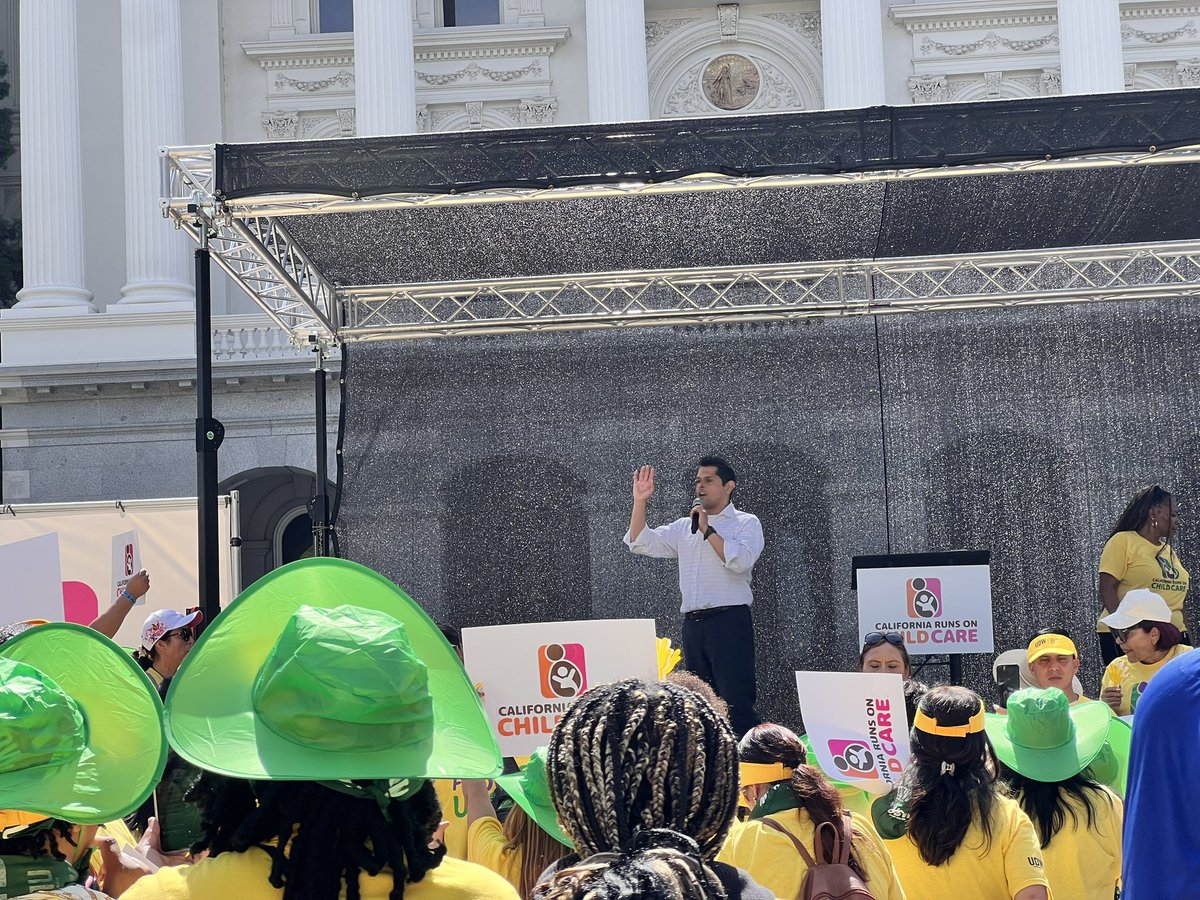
193	170
771	293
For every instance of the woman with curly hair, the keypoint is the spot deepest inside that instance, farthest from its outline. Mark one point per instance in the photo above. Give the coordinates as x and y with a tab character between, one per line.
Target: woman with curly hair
643	776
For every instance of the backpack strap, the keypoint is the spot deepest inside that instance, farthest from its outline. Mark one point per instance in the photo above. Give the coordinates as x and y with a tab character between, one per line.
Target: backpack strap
771	823
848	831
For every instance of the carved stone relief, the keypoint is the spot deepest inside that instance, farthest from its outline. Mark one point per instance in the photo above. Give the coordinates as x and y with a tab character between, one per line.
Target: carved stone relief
1051	81
1187	71
346	121
928	88
990	42
280	125
1129	33
727	18
686	98
777	91
422	118
538	111
807	24
731	82
657	29
343	79
476	72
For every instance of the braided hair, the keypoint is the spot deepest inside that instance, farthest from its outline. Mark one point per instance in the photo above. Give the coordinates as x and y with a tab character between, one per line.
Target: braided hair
319	839
643	776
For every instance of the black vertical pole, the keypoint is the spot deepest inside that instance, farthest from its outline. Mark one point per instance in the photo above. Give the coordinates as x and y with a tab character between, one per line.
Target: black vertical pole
209	433
321	502
955	668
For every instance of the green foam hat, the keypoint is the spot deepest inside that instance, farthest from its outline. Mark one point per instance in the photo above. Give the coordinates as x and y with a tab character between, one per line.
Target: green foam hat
1111	765
326	671
530	790
81	726
1046	738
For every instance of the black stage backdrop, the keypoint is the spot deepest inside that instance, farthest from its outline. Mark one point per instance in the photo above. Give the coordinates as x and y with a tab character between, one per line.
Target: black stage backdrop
490	476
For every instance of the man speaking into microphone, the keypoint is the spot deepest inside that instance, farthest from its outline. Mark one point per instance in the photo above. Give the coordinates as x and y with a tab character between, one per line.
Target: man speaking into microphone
717	546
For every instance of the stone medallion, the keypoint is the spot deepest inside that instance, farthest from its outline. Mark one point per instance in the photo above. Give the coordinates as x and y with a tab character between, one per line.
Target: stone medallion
731	81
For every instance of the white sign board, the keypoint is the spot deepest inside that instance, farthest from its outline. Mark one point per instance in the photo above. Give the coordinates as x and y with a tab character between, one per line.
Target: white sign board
64	561
531	674
938	609
857	724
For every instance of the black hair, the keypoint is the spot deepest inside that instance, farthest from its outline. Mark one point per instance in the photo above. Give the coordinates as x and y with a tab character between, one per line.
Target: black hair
319	839
1046	802
866	648
643	776
724	469
39	843
950	782
452	635
1137	511
769	743
914	693
11	630
1169	634
1045	631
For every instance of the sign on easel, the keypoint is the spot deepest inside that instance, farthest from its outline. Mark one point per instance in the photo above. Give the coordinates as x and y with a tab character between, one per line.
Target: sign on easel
938	608
531	674
857	724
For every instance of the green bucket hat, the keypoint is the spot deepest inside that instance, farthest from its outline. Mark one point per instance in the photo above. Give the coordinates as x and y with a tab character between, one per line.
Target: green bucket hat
1111	765
530	790
82	726
326	671
1045	737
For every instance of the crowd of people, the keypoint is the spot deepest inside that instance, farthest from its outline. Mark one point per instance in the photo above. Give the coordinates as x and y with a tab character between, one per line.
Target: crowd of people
323	740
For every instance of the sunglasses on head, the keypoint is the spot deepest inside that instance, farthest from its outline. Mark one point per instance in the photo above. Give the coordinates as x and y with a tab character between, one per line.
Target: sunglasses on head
185	632
875	638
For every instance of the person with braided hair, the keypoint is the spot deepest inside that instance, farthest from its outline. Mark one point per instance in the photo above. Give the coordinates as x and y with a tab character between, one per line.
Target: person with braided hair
789	801
948	825
643	776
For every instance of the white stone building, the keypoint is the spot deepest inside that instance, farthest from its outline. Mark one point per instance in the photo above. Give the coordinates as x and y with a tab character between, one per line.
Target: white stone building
97	357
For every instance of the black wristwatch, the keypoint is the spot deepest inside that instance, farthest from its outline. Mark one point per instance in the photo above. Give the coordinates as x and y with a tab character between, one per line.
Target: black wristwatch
709	532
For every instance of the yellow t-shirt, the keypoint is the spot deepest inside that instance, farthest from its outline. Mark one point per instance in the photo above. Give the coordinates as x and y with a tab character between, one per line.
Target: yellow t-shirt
1010	864
1084	862
1137	563
771	859
454	811
1133	677
243	876
487	846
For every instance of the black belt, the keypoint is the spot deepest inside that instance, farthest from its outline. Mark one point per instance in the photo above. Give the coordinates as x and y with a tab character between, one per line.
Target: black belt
699	615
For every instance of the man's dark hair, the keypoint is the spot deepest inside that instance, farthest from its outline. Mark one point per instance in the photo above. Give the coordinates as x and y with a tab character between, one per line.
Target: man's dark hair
452	635
724	469
319	840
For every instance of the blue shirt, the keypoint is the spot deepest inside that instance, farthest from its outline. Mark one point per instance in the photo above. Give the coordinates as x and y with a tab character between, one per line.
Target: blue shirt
1162	830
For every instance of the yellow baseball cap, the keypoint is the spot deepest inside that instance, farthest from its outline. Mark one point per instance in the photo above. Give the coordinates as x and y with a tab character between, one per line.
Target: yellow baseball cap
1045	644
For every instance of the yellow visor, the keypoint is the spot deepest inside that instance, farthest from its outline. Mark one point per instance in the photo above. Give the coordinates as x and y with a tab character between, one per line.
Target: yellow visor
763	773
929	725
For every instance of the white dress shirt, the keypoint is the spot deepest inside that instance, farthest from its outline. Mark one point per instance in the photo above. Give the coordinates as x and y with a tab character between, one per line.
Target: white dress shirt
705	581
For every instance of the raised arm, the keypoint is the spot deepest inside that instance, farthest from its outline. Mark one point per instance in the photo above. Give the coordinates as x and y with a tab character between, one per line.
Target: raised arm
643	490
109	622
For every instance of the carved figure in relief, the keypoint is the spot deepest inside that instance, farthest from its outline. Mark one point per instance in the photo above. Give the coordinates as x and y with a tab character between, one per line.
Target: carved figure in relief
731	82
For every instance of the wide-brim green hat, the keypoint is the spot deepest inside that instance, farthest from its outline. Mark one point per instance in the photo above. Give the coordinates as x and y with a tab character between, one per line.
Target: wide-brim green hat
1111	765
530	790
282	687
82	726
1046	738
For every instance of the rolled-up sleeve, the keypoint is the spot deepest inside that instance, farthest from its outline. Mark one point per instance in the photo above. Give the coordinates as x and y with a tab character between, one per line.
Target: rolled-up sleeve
660	542
743	549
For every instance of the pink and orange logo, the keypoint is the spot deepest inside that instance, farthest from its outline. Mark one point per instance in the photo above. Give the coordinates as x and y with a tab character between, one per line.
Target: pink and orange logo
853	759
562	670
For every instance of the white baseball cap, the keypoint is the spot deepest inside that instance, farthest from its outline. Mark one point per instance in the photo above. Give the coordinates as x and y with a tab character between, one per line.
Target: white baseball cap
1139	605
161	621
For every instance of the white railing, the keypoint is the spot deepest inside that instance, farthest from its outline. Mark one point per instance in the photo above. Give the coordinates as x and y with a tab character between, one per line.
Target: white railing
237	338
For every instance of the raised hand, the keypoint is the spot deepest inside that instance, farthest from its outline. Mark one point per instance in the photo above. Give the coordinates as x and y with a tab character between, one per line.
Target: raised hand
643	483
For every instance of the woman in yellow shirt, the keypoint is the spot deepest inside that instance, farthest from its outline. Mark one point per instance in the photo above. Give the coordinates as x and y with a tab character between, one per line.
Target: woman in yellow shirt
1046	746
1138	554
947	826
1149	640
785	792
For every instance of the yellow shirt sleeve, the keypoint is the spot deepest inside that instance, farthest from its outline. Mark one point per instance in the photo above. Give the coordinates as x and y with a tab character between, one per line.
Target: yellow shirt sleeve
1023	865
882	879
487	846
1114	558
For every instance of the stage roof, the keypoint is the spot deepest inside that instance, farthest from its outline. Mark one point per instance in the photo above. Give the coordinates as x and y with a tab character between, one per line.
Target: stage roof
841	212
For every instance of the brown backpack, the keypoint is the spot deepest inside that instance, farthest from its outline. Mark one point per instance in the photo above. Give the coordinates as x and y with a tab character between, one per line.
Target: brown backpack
826	879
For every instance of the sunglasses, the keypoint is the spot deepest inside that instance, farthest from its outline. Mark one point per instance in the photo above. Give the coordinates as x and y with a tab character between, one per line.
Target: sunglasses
875	638
185	632
1122	634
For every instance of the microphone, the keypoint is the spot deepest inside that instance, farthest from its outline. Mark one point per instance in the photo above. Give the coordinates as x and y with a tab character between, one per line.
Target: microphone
696	504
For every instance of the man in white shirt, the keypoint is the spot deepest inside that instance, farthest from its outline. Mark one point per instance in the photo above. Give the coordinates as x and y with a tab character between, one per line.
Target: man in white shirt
717	547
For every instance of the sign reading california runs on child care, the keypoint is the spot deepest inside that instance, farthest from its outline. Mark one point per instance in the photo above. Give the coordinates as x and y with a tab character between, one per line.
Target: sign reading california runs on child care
531	674
938	609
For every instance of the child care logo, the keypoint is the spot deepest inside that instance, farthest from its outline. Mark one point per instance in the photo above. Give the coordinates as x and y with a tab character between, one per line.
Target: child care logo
562	670
924	597
853	758
128	560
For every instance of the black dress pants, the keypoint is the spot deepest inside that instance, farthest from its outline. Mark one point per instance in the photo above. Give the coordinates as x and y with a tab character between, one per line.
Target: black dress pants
718	645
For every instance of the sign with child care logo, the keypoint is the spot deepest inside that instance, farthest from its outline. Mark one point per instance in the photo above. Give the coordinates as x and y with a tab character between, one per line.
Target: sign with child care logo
857	724
531	674
938	609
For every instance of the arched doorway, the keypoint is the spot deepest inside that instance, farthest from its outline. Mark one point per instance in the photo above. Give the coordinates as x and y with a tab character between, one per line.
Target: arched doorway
275	523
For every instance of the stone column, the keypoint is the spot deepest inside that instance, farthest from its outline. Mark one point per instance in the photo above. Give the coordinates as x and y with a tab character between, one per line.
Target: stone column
385	84
52	162
156	258
618	84
852	53
1089	40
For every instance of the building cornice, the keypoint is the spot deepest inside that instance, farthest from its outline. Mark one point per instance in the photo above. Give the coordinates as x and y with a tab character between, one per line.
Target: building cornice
432	45
950	16
147	431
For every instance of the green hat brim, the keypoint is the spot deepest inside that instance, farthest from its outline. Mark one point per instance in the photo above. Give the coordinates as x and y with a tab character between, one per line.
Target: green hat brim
124	754
210	716
545	816
1111	765
1092	720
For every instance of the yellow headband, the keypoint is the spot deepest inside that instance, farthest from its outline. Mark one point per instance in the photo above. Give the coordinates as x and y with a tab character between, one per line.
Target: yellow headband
929	725
763	773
